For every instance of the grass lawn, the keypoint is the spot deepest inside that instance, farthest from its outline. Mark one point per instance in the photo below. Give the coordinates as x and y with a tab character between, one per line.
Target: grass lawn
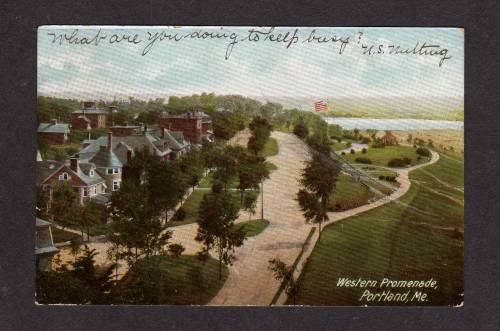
395	242
208	181
163	280
270	148
59	236
253	227
349	194
192	204
336	146
381	156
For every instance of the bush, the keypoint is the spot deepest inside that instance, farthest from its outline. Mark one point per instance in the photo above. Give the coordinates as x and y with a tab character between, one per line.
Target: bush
407	160
390	178
349	144
378	144
396	163
301	130
365	140
419	158
352	151
343	153
364	150
217	187
364	160
180	214
176	250
423	151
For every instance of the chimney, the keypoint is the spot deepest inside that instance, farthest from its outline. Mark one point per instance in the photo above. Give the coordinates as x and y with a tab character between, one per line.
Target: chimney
129	155
110	140
53	121
162	133
74	162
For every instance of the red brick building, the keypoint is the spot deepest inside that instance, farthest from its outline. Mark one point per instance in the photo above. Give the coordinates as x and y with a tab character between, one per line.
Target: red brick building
389	139
53	132
195	125
125	130
88	117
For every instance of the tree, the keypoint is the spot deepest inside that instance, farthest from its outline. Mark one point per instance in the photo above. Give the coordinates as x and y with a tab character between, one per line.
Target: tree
192	166
217	213
284	273
91	214
80	283
63	203
261	131
176	250
250	203
300	130
136	225
226	164
252	171
335	130
318	182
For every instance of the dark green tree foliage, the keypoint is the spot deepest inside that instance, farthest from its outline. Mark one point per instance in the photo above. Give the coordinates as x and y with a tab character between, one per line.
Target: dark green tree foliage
216	230
300	130
261	131
318	182
136	225
226	164
63	203
252	171
192	165
82	283
250	203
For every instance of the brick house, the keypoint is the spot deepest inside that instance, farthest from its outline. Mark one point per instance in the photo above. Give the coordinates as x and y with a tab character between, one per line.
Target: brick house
88	117
83	178
195	126
53	132
125	130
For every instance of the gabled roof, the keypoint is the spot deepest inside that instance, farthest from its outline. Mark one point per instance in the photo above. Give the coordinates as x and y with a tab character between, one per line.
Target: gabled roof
45	169
135	142
106	158
175	140
53	128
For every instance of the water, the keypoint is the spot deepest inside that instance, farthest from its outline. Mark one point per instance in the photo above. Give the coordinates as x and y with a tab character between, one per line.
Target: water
350	123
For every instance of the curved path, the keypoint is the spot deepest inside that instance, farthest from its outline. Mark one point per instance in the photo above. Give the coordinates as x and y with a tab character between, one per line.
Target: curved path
250	282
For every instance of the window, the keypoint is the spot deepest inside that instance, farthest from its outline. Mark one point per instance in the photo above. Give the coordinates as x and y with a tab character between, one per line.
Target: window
95	189
85	191
116	185
91	173
64	176
113	171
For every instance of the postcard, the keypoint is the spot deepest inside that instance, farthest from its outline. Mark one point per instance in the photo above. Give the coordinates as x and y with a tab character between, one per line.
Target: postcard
264	166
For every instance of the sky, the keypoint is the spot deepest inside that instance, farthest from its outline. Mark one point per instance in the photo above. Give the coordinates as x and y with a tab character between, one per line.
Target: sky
254	68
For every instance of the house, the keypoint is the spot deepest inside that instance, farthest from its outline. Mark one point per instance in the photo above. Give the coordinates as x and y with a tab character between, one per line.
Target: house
195	126
44	245
164	146
53	132
389	139
89	117
83	177
108	165
125	130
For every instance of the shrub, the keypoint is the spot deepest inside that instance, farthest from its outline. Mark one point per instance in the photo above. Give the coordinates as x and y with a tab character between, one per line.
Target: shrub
352	151
378	144
217	187
407	160
390	178
349	144
423	151
176	250
180	214
365	140
381	177
301	130
343	153
364	160
396	163
364	150
419	158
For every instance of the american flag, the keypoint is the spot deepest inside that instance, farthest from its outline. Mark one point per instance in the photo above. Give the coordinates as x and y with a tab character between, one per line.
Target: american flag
320	105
